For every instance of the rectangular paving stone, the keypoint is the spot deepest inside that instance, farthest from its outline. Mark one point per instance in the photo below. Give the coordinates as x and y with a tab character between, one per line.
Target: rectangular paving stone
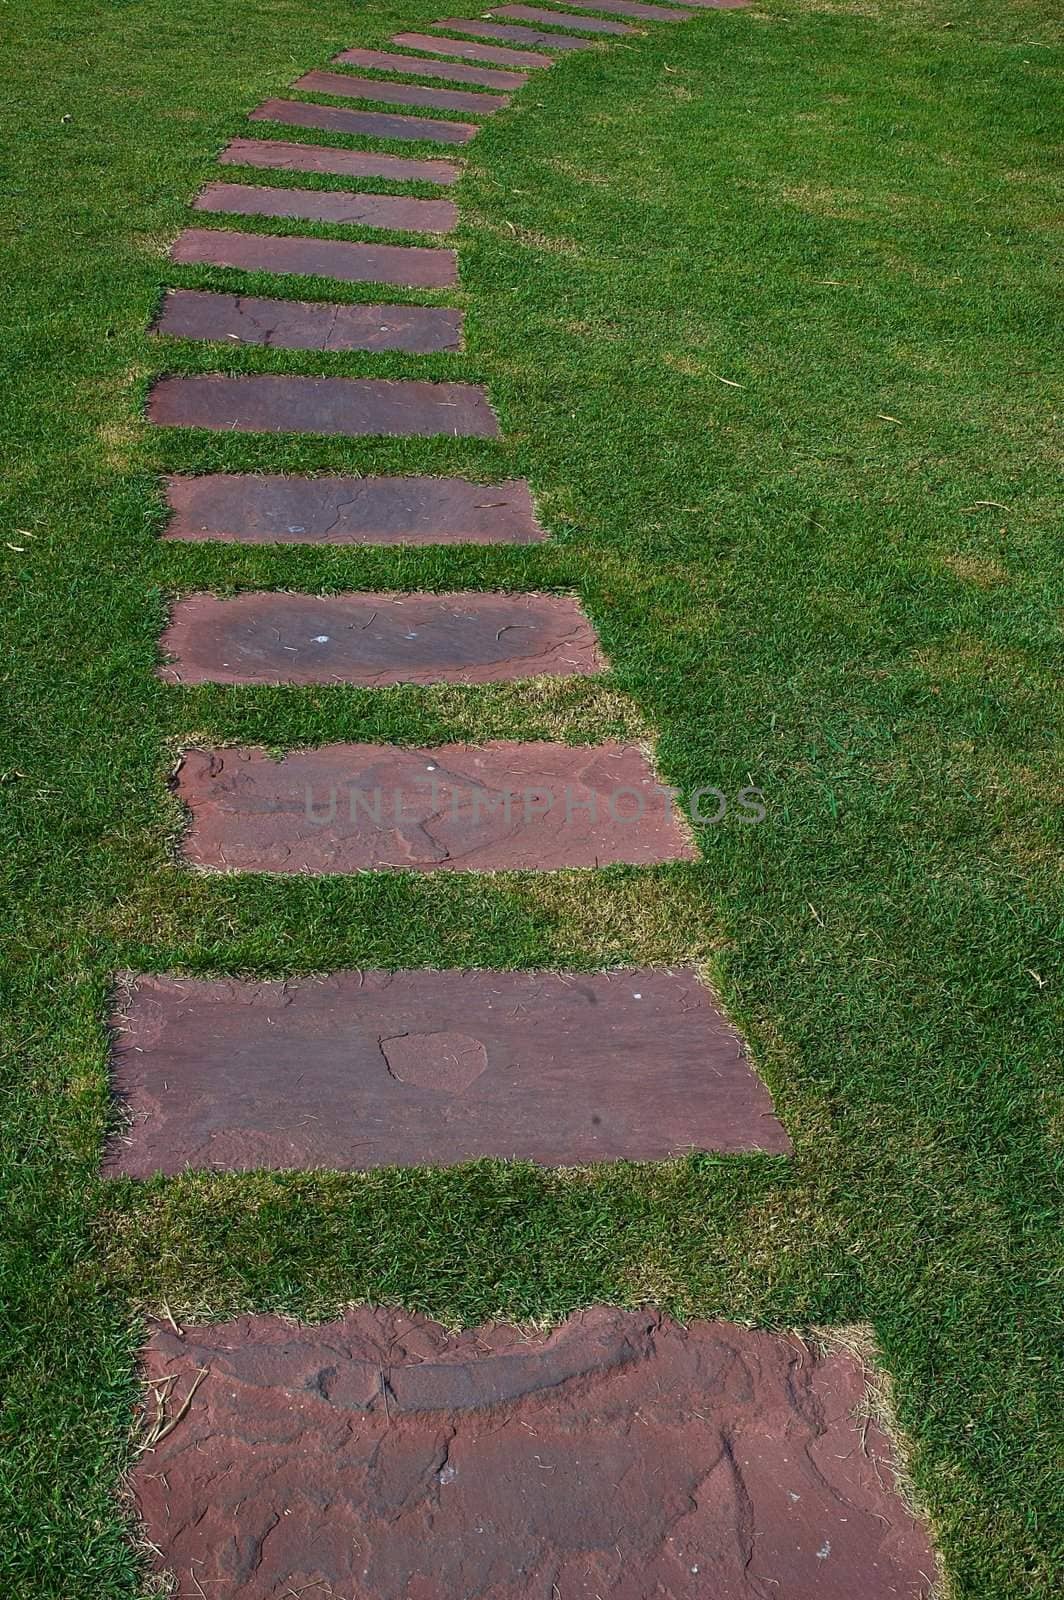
360	1070
419	66
632	8
488	808
348	261
469	50
620	1456
522	36
247	508
398	211
351	407
401	94
308	325
561	19
282	157
371	124
377	639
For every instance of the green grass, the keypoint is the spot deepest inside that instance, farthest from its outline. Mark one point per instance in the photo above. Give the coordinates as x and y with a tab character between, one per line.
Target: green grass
834	575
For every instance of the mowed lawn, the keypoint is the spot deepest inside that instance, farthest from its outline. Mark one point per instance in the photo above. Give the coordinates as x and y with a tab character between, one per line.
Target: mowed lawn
765	303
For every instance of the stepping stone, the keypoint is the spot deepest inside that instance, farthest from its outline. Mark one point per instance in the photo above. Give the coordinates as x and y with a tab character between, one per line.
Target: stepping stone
361	1070
352	407
523	36
301	325
365	808
619	1456
413	266
561	19
632	8
372	124
282	157
377	639
717	5
418	66
331	205
243	508
402	94
467	50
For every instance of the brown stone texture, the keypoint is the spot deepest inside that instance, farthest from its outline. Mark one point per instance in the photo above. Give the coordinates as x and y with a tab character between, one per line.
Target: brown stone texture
619	1457
349	261
468	50
366	808
302	325
373	124
331	205
282	157
360	1070
521	36
401	94
419	66
353	407
247	508
376	639
632	8
561	19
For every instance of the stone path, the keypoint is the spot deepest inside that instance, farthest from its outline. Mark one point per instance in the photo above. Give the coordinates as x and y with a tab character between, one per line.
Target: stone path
380	1457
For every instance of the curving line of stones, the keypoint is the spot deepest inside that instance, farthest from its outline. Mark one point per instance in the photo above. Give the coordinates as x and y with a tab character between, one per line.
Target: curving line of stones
379	1456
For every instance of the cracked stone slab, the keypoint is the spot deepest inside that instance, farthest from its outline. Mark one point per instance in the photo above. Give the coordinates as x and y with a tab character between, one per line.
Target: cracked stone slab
412	266
366	808
619	1456
377	639
373	124
632	8
330	205
529	37
561	19
421	67
247	508
366	1069
469	50
280	156
351	407
400	94
307	325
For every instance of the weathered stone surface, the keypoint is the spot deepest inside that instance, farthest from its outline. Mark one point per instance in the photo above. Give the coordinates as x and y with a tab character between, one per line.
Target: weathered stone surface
489	808
717	5
354	407
376	639
632	8
247	508
349	261
528	37
468	50
372	124
282	157
308	325
361	1070
422	67
561	19
400	94
330	205
620	1456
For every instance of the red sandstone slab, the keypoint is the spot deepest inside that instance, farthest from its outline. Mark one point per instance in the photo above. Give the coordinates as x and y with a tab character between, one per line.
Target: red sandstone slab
561	19
364	808
419	66
352	407
245	508
360	1070
529	37
349	261
401	94
467	50
282	157
619	1457
377	639
308	325
332	205
371	124
632	8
